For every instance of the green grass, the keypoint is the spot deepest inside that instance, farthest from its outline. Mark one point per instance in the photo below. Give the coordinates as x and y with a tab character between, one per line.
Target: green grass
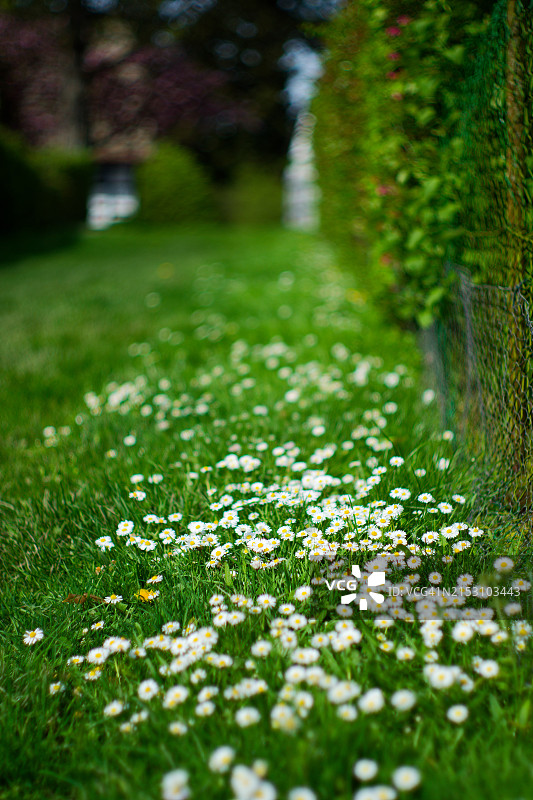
208	324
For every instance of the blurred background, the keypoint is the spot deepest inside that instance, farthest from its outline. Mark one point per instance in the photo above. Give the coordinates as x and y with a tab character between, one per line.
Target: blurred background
172	110
403	126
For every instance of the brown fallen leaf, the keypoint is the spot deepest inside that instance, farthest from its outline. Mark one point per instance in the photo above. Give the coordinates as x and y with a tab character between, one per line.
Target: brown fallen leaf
82	598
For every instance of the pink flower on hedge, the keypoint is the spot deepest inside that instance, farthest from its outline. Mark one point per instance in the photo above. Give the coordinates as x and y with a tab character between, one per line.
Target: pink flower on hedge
383	190
393	56
403	20
396	96
393	75
393	31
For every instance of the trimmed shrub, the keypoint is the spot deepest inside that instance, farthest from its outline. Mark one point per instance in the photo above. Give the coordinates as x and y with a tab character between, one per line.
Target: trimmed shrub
173	187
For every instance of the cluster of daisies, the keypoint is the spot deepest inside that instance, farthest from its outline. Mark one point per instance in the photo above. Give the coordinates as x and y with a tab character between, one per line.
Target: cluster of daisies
251	783
326	532
200	676
300	642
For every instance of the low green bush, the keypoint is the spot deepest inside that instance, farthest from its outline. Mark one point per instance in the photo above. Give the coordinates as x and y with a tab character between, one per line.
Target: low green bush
173	187
253	197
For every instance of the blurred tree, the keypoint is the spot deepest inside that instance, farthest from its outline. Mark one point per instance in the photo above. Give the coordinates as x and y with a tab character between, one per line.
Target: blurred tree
140	93
248	43
79	21
30	81
74	79
97	70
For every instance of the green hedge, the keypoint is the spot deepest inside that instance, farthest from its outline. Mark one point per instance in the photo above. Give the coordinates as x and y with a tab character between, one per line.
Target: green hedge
173	187
41	189
389	142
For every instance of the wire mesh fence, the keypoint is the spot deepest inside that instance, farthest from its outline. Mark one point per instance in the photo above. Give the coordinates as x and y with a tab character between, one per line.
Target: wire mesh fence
496	161
481	355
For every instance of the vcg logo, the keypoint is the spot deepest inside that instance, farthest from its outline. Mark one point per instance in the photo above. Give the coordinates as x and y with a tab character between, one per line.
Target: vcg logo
374	579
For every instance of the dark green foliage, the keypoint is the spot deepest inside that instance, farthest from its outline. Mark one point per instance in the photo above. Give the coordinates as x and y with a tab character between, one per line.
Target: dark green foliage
41	189
67	177
20	183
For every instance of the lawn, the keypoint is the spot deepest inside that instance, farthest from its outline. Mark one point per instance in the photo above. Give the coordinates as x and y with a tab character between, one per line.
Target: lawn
204	430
